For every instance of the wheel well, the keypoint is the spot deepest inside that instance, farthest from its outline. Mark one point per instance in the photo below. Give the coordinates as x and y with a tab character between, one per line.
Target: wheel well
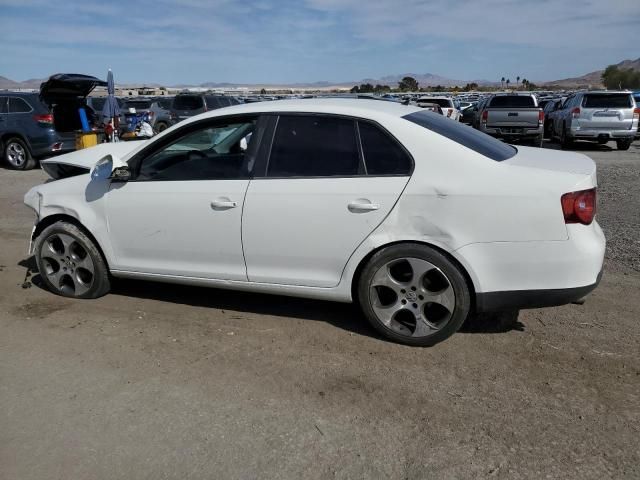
51	219
8	136
365	260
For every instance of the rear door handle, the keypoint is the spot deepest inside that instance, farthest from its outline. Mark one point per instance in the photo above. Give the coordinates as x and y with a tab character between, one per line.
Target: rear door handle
223	203
362	205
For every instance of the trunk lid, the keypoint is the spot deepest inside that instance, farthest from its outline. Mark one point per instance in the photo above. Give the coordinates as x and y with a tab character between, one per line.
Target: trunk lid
64	86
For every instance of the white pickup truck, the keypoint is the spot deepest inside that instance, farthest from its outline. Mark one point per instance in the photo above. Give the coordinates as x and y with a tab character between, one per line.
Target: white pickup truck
513	117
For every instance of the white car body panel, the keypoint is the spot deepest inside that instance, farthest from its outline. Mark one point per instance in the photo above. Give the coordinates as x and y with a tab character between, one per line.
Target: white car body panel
278	250
174	228
502	221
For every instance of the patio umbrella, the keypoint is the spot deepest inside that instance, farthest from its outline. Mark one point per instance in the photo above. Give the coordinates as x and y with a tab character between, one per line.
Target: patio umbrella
111	109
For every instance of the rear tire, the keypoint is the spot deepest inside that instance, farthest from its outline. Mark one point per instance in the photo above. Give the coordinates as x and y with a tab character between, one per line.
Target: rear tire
624	144
413	294
17	155
565	142
537	141
70	263
161	127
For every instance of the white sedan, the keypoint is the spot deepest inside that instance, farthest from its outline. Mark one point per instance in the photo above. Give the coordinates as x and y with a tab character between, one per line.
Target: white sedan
420	220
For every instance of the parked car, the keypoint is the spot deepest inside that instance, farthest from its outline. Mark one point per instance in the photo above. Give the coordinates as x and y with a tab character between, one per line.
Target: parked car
513	117
187	105
598	116
27	131
449	110
346	200
636	97
97	105
161	108
468	113
157	110
550	111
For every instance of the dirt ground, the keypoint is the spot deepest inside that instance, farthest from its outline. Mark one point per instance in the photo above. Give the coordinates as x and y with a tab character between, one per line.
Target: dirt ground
156	381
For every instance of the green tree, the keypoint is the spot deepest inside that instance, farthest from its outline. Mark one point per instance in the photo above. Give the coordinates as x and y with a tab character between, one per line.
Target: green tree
508	82
518	81
502	82
619	78
408	84
263	91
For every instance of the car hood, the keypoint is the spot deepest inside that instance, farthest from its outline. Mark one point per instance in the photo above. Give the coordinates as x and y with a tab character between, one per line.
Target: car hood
63	86
82	161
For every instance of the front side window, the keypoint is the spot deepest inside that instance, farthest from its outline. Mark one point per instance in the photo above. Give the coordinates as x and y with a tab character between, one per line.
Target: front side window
382	154
18	105
4	105
314	146
209	153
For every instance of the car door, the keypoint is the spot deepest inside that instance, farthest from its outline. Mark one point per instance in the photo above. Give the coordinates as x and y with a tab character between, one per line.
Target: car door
181	212
328	182
4	114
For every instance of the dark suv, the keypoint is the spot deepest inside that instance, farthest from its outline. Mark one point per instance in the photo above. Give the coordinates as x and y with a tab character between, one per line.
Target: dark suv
187	105
27	130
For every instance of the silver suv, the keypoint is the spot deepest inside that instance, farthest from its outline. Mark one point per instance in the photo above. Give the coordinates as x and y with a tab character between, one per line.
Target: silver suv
598	117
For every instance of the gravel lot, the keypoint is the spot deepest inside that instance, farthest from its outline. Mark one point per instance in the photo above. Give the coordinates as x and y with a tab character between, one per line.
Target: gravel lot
157	381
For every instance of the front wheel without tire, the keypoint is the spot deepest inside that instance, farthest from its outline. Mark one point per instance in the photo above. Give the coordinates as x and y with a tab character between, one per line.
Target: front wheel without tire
413	294
69	262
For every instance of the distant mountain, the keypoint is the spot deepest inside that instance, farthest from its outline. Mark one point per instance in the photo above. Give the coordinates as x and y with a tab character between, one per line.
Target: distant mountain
593	79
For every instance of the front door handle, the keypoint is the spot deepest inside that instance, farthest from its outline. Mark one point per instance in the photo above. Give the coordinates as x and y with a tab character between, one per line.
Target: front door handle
362	205
223	203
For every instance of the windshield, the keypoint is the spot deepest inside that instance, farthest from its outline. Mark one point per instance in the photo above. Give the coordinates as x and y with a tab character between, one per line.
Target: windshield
607	100
464	135
512	101
188	102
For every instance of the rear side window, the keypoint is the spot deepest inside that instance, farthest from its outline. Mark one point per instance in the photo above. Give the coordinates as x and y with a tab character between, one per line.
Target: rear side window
314	146
18	105
188	102
607	100
464	135
382	154
98	103
165	103
512	101
4	105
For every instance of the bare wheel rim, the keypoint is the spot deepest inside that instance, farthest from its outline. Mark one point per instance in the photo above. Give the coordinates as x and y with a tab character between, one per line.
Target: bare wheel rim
67	265
16	154
412	297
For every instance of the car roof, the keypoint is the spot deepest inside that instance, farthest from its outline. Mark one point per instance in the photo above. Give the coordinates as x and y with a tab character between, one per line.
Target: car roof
337	106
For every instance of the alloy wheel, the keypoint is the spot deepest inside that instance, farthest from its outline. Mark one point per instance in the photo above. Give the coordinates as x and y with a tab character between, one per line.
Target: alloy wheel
412	297
16	154
67	265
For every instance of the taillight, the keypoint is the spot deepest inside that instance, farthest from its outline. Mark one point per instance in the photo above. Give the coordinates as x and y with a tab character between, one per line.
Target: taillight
540	117
485	116
449	112
636	113
46	119
579	207
575	113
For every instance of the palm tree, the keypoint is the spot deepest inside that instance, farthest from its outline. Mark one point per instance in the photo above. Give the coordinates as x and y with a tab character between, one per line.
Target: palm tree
502	82
508	82
518	81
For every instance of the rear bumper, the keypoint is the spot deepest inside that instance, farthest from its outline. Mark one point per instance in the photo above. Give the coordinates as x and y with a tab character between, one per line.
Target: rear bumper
601	133
512	275
523	299
512	132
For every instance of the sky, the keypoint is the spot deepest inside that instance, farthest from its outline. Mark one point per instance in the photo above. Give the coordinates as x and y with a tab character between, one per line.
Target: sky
293	41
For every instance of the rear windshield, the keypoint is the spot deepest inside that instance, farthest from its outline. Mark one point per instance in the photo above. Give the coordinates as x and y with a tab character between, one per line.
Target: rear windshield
443	102
142	104
512	101
607	100
464	135
187	102
98	103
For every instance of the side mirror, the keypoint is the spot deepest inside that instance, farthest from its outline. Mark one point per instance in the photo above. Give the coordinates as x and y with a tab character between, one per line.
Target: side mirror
111	167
